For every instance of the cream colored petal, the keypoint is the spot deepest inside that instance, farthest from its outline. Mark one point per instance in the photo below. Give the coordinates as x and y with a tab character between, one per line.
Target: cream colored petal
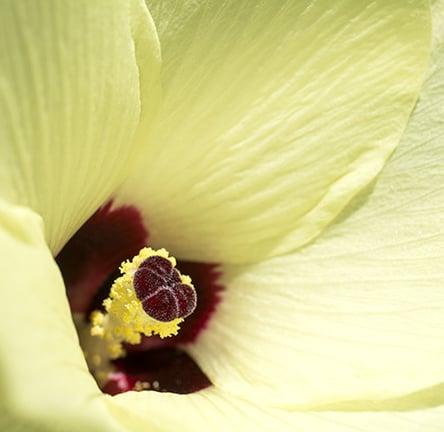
77	80
212	410
44	381
276	114
45	385
359	314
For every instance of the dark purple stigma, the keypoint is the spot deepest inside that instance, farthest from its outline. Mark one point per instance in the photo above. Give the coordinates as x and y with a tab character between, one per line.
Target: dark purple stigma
159	288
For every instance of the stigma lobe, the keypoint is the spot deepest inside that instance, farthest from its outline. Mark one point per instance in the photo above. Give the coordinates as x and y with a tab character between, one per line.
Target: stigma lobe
159	288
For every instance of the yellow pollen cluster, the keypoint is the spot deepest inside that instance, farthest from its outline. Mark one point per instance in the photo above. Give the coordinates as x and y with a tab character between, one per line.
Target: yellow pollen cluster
125	319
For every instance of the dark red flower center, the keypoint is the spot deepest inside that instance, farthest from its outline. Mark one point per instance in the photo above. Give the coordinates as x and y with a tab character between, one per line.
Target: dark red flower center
89	264
163	369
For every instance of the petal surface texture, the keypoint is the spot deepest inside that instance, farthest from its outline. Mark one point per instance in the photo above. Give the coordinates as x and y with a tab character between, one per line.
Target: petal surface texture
78	83
358	314
45	385
44	382
213	410
275	115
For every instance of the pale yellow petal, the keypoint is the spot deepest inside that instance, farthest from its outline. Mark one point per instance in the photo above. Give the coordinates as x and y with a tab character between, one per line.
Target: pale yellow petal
359	314
44	381
77	80
212	410
276	114
45	385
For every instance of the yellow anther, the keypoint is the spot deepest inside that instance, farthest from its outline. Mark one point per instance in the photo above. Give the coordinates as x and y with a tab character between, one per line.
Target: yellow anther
125	319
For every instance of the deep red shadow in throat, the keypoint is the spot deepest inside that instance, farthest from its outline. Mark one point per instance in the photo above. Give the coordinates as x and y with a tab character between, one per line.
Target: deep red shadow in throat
89	264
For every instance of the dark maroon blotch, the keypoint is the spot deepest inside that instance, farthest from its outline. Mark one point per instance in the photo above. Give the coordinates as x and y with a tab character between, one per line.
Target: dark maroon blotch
89	264
164	369
108	237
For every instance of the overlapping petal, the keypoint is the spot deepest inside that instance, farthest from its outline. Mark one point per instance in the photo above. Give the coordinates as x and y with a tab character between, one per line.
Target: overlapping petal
44	382
358	315
213	410
275	115
78	80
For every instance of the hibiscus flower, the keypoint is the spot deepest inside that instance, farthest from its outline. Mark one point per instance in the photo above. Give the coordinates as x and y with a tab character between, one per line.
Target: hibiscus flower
286	148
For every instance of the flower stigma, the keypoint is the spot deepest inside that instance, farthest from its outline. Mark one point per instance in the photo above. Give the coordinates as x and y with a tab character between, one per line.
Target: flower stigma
150	297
